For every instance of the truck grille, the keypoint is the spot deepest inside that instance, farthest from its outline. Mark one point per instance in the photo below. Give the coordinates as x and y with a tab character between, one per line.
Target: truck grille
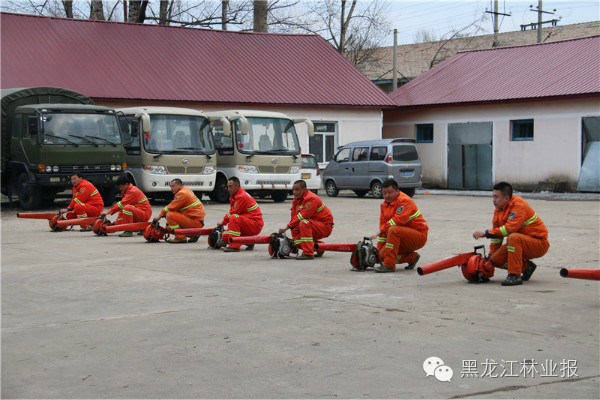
264	169
274	182
87	168
186	170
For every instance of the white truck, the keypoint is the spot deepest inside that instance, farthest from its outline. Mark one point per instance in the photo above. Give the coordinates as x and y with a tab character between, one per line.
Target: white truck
164	143
262	151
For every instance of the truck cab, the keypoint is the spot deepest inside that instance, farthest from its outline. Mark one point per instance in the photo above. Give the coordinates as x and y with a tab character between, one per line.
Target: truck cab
262	151
164	143
43	144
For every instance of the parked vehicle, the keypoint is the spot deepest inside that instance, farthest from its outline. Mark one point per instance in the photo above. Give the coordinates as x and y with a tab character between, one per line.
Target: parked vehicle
47	134
263	152
311	173
172	143
365	165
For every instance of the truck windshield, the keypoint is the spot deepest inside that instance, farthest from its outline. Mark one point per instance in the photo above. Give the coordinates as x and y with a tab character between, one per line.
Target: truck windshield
90	129
179	134
274	136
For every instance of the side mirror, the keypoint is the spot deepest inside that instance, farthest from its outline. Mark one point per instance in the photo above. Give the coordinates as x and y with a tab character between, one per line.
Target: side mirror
32	125
243	123
309	125
225	122
144	122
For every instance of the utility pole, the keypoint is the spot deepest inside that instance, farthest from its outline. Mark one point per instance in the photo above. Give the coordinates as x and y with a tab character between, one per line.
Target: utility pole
395	62
540	11
224	5
539	25
496	24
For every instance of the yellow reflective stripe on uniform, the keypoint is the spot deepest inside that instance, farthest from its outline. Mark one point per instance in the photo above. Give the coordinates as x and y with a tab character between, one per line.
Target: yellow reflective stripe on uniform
503	230
142	200
306	239
254	207
82	215
320	208
235	215
389	245
233	233
510	249
530	220
191	205
174	226
497	240
295	242
381	239
392	223
94	192
301	218
415	215
229	215
127	212
120	205
79	201
166	209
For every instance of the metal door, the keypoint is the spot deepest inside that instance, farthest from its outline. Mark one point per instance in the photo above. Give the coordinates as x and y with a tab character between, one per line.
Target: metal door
589	176
470	156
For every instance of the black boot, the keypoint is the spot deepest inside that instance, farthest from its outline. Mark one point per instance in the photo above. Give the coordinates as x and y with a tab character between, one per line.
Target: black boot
512	280
528	271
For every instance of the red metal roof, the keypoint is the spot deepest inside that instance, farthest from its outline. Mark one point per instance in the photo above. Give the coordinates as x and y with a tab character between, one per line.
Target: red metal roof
135	61
570	67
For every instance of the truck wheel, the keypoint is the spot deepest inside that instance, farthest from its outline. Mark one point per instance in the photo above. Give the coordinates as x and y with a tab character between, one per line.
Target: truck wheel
279	196
30	196
410	192
331	189
361	193
220	193
376	189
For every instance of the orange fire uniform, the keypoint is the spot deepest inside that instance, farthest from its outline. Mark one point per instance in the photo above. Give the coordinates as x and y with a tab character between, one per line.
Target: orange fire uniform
402	231
86	201
133	207
311	220
525	233
244	217
185	211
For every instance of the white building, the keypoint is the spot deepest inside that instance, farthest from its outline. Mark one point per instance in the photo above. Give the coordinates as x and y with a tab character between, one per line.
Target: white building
528	115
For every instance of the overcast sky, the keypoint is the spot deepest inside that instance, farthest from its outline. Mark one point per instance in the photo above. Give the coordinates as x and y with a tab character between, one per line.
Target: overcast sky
439	17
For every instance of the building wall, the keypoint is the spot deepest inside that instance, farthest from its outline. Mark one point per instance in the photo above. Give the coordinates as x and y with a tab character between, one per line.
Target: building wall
352	124
554	155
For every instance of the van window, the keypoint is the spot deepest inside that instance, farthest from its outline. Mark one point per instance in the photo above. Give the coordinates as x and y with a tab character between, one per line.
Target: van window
360	154
343	155
378	153
405	153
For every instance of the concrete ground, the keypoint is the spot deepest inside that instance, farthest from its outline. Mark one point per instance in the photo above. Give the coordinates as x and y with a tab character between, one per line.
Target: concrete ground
109	317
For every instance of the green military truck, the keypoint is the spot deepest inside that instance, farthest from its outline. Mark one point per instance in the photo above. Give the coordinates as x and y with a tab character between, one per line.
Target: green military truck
49	133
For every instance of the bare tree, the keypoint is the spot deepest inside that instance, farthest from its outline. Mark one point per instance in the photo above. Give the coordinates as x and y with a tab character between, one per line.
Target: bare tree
260	16
443	52
68	7
354	28
97	10
424	36
137	11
